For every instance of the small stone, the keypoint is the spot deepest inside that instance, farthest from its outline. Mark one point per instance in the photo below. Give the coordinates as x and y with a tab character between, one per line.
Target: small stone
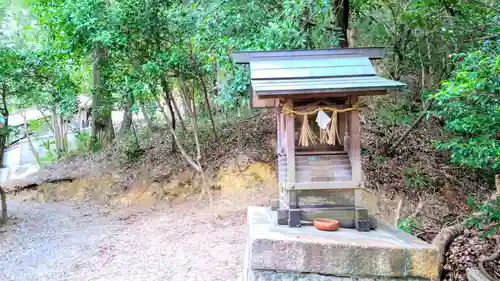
275	204
294	218
283	217
362	224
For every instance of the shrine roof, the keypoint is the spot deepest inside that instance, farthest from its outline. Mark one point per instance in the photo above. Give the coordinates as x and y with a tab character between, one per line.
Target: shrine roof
343	71
252	56
324	85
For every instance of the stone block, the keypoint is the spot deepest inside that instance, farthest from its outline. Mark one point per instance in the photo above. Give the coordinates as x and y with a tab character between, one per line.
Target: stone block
275	204
294	218
373	222
362	224
283	217
382	254
325	198
336	213
267	275
361	213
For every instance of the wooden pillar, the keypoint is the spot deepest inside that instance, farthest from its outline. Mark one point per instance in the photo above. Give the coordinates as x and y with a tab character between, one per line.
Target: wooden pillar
341	127
282	131
355	145
355	153
290	154
278	131
347	116
282	167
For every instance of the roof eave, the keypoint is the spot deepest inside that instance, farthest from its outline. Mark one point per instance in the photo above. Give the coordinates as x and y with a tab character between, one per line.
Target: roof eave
340	92
249	56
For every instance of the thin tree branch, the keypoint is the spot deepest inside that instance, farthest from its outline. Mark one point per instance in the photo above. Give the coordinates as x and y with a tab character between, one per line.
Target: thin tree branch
484	38
486	5
45	119
3	199
413	126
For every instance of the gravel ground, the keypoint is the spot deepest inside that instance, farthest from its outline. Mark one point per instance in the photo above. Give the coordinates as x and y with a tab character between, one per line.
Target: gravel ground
81	241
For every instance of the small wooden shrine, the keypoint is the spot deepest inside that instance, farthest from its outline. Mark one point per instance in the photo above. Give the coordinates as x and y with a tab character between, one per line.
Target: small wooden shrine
317	97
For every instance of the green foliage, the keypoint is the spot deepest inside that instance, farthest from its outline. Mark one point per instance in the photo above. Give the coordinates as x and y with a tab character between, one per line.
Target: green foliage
414	179
130	148
485	217
49	147
48	159
422	33
82	140
380	158
12	71
409	224
469	105
392	114
127	56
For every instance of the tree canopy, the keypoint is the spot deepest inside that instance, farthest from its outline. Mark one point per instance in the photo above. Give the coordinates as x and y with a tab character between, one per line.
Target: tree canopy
137	55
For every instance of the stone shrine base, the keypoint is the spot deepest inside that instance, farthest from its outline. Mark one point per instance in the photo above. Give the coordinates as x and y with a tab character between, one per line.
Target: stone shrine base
276	252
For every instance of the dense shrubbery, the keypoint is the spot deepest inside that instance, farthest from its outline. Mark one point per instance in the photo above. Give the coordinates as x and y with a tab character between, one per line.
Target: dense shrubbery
469	105
485	216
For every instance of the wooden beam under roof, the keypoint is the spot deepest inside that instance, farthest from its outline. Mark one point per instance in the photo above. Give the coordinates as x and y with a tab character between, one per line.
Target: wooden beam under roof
247	57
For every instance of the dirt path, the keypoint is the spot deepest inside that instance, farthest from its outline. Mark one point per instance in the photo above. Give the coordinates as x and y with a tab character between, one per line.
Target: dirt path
83	242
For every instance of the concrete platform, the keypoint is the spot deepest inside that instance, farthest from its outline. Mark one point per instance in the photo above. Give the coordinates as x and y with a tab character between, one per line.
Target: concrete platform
275	251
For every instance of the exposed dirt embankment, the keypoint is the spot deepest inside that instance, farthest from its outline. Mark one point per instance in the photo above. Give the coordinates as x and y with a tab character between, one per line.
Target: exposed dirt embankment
244	154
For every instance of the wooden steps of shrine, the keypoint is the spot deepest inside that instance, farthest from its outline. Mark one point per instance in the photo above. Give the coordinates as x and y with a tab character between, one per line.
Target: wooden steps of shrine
320	171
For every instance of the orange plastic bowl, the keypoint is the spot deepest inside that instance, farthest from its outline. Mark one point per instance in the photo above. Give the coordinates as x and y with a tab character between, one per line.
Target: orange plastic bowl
326	224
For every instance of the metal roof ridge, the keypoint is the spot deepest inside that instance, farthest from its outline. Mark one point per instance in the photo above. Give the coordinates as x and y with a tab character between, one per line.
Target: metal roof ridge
314	77
249	56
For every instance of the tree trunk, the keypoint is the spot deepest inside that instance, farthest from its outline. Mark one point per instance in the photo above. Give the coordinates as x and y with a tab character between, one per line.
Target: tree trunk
127	117
126	122
30	143
102	125
496	194
183	152
4	131
109	131
135	133
205	92
162	109
178	112
3	198
443	240
150	123
59	133
45	119
193	106
170	109
64	134
187	97
96	58
3	143
412	127
166	91
341	8
4	136
431	73
205	189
